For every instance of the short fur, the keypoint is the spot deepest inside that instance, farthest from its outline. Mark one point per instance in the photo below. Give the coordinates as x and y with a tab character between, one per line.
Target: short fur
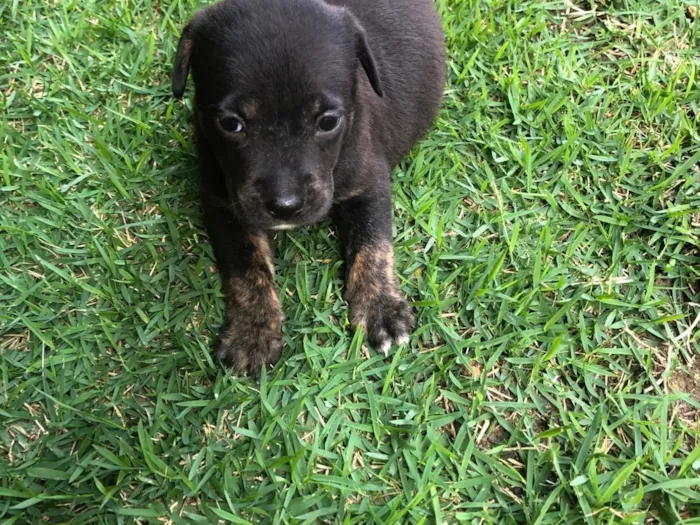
271	77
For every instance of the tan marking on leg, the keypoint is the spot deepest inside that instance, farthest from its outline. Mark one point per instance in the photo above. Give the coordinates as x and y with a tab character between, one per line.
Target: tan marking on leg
371	274
390	273
263	251
376	302
356	272
252	295
255	288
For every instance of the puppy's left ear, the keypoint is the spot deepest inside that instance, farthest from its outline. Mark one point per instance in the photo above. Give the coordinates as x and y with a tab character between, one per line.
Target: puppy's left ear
366	58
182	61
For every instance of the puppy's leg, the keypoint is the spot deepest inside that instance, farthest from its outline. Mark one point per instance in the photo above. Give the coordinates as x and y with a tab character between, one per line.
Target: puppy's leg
252	333
376	303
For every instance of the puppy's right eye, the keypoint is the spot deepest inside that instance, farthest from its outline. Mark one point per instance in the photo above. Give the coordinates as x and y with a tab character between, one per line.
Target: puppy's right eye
328	123
231	124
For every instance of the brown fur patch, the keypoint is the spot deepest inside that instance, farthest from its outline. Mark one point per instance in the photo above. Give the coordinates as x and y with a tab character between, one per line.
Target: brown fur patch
252	291
371	275
262	252
316	107
252	335
376	304
390	274
249	109
255	288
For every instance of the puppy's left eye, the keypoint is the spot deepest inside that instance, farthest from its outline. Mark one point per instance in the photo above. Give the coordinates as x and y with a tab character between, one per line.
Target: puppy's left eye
328	123
231	124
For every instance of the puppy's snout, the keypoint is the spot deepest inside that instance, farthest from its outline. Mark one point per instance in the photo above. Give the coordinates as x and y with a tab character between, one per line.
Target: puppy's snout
286	207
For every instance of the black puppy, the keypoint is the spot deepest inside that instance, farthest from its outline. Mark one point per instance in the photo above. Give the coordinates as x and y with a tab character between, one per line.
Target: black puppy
302	108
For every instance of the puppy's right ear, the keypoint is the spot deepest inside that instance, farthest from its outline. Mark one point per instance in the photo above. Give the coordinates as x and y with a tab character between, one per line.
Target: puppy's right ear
182	61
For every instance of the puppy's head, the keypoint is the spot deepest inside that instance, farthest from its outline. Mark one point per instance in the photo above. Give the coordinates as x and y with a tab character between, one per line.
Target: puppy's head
275	87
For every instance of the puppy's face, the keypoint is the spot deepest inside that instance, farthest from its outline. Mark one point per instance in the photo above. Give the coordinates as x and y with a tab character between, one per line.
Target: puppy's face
275	86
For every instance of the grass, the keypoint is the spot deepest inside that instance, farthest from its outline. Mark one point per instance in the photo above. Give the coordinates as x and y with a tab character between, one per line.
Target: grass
547	233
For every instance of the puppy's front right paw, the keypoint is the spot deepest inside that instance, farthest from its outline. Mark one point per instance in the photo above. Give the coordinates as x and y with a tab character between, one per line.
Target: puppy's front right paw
250	340
252	335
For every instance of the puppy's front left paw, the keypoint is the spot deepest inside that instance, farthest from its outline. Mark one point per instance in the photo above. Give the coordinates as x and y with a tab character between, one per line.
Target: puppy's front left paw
375	299
385	318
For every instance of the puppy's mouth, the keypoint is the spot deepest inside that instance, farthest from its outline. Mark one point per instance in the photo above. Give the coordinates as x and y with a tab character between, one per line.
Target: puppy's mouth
285	226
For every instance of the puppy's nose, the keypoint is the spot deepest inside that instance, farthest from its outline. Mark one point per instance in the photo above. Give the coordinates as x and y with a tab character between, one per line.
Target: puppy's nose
286	207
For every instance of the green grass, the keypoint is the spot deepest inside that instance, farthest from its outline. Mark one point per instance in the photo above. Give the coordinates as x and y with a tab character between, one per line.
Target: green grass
547	233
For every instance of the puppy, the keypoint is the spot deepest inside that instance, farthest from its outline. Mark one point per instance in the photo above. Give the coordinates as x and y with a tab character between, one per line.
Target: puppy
302	108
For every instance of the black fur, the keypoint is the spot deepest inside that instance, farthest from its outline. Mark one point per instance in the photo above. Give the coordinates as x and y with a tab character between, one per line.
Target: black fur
271	77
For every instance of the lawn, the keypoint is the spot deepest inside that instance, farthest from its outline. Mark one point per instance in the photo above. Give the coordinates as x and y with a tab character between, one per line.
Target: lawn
547	233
